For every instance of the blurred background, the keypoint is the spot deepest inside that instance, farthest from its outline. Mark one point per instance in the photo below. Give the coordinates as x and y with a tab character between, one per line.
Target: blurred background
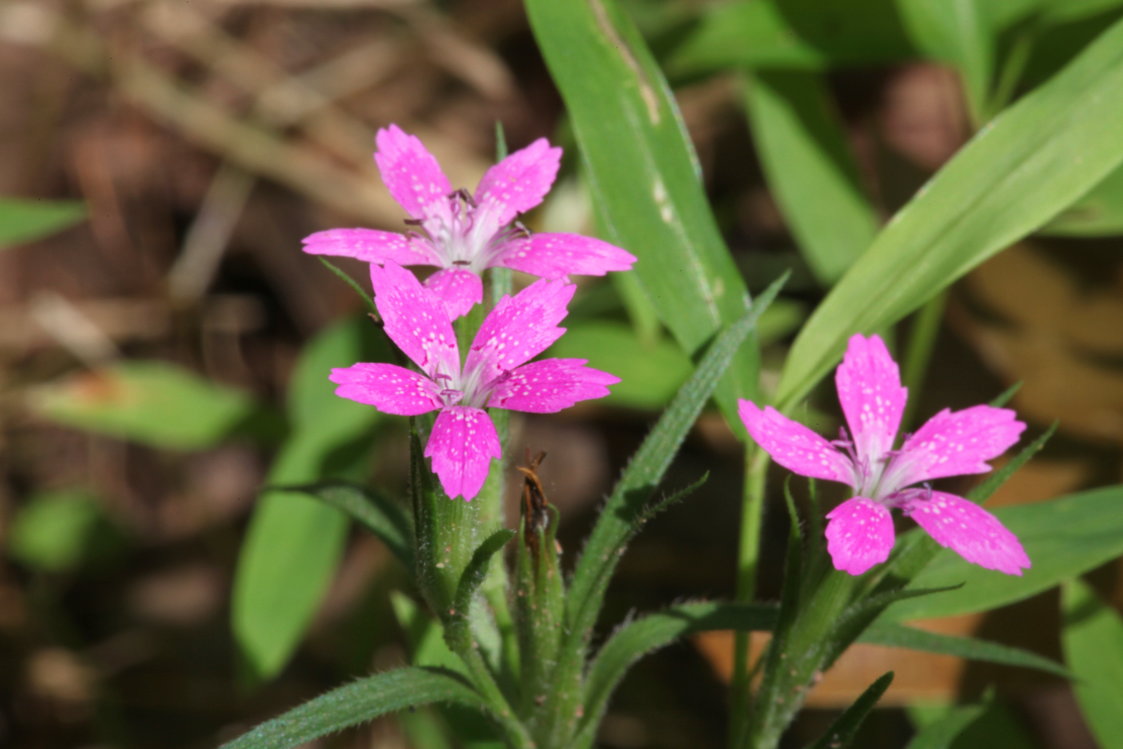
174	154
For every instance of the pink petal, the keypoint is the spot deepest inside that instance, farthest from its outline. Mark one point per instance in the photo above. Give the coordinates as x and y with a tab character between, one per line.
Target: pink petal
462	444
389	388
794	446
968	530
519	182
416	320
371	246
859	535
558	255
459	289
953	443
410	172
518	328
869	389
549	385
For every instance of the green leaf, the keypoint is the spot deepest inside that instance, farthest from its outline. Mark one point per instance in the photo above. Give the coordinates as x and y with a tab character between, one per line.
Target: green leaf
793	35
998	726
941	733
60	530
1098	213
357	703
644	176
652	632
632	493
842	730
1093	645
154	403
1032	161
23	220
900	636
456	626
955	32
810	169
650	372
377	513
294	542
1063	537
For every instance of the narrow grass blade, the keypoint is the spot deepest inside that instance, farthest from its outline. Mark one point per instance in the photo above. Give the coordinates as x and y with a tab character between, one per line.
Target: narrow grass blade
644	175
1027	165
810	169
654	631
842	730
341	275
630	497
357	703
901	636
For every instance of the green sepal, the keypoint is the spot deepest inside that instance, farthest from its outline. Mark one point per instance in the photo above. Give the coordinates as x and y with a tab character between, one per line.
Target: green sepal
539	599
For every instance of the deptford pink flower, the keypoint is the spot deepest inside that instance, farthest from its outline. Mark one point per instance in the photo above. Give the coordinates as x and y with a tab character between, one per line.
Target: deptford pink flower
494	374
463	234
860	530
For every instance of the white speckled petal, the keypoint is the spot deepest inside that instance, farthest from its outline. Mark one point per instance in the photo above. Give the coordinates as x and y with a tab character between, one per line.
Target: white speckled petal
859	535
415	319
371	246
459	289
518	328
462	445
953	443
794	446
550	385
968	530
557	255
410	172
519	182
869	389
388	387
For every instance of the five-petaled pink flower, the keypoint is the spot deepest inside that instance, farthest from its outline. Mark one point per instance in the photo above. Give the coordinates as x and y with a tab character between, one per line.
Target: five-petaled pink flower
860	530
463	234
495	373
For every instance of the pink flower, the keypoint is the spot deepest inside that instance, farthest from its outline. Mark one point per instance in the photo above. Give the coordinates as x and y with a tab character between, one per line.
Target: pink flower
860	530
495	373
463	234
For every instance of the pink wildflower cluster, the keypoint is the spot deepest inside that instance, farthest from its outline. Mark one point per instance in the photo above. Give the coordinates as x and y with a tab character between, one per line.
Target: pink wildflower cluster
462	235
951	443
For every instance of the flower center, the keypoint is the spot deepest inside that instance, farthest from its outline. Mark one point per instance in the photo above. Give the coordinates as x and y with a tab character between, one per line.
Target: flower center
466	390
465	234
873	474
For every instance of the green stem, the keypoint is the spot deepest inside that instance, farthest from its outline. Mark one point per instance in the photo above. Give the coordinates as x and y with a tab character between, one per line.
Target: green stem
488	687
807	651
922	340
748	562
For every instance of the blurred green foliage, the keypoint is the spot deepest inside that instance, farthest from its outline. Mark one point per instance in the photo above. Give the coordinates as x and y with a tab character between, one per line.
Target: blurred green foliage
23	220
